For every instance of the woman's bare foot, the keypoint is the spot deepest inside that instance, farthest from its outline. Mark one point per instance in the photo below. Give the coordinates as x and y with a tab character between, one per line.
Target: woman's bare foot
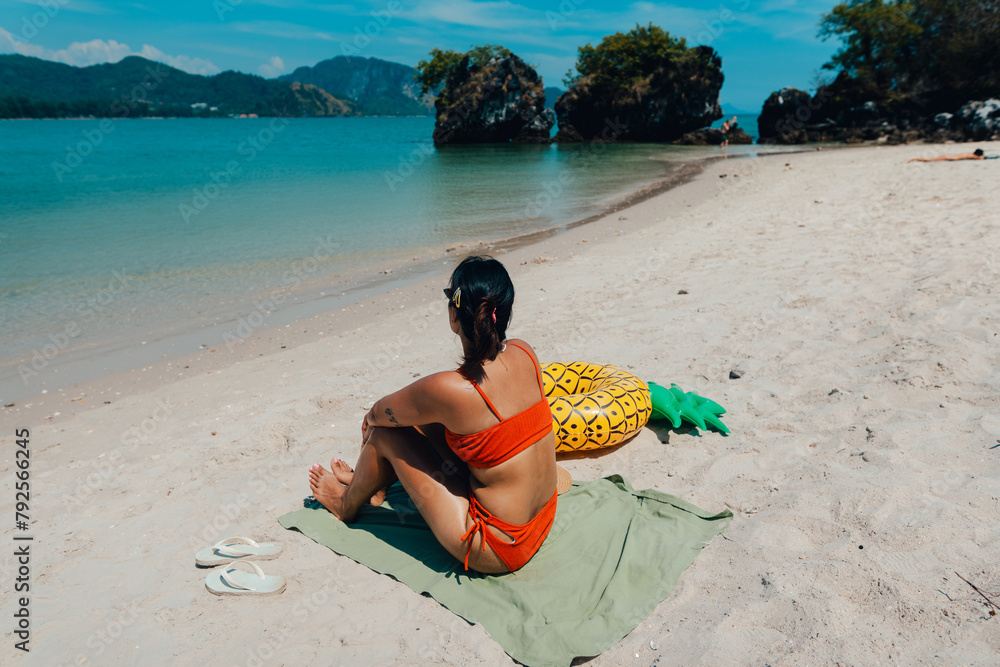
328	490
344	475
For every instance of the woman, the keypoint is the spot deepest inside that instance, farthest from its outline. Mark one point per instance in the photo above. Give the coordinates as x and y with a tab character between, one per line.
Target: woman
975	155
473	448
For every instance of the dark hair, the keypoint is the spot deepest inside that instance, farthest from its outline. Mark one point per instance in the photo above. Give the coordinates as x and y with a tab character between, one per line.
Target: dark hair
486	287
978	152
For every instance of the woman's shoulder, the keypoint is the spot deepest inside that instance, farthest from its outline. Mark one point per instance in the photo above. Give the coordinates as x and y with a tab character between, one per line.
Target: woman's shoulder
442	380
523	344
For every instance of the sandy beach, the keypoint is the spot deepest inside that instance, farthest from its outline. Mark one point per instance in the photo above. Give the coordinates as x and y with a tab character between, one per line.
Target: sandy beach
856	294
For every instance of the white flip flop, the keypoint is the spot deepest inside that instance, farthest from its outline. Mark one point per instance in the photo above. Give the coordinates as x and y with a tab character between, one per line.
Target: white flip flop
232	549
231	581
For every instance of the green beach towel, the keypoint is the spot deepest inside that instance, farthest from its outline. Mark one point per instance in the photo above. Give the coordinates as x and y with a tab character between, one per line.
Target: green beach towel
612	555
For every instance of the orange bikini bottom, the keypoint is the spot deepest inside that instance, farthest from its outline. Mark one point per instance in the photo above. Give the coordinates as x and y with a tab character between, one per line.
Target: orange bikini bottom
527	538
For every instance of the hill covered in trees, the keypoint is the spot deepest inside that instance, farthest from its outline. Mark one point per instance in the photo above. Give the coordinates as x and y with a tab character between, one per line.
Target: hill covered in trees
376	87
137	87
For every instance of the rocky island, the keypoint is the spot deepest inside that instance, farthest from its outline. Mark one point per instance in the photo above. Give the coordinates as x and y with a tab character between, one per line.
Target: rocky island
489	95
921	70
641	86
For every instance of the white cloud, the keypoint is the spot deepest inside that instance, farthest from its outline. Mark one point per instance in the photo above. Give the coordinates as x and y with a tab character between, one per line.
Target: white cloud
282	30
82	54
184	63
494	15
95	51
51	7
272	68
304	4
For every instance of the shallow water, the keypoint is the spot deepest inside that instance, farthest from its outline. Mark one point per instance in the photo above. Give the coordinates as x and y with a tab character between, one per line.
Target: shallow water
114	229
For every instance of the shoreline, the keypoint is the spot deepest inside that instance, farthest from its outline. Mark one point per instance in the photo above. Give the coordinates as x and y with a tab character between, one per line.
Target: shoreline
106	363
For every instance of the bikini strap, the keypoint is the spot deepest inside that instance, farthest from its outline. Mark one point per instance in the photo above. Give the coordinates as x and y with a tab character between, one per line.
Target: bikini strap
538	369
476	385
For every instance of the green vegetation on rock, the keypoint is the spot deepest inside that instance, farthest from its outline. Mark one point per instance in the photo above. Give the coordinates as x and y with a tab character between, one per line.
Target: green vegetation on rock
934	54
623	59
643	85
432	74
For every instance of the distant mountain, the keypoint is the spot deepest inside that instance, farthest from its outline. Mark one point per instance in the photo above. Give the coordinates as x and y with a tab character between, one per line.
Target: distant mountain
376	87
135	86
551	95
730	110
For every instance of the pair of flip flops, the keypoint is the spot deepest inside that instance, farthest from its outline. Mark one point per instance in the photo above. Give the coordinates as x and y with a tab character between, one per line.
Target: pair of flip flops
230	580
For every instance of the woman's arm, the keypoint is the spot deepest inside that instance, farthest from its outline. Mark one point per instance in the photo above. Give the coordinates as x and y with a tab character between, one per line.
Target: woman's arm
422	402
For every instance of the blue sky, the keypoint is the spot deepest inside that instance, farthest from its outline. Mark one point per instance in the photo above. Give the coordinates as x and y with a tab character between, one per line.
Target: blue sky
764	44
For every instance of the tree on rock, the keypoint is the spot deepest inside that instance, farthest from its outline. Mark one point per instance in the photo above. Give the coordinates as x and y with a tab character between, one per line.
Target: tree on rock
434	72
931	54
643	85
487	95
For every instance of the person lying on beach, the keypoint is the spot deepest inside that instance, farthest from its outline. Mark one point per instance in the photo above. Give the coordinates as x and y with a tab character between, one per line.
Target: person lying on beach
975	155
474	447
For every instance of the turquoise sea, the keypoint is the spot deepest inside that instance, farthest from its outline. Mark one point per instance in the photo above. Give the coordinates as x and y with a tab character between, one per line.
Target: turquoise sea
116	231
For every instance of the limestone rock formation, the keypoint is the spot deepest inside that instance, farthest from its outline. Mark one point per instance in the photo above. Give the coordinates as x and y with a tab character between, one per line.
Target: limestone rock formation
784	115
712	136
852	112
679	97
499	102
978	120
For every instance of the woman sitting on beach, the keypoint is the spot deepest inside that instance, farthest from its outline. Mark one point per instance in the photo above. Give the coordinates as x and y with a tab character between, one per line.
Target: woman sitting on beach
493	505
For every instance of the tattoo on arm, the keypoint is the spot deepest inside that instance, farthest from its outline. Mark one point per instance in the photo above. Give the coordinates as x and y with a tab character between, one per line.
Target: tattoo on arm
392	419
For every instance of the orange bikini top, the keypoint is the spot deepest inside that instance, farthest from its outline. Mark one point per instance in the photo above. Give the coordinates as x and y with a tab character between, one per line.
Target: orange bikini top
502	441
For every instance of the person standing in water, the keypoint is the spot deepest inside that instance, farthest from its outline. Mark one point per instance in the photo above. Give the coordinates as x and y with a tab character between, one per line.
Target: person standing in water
727	127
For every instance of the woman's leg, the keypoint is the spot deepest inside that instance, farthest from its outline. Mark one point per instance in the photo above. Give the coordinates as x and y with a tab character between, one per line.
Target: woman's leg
450	463
441	498
344	474
434	433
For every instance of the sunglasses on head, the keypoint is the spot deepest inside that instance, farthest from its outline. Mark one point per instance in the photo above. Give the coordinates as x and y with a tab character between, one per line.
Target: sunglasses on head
454	295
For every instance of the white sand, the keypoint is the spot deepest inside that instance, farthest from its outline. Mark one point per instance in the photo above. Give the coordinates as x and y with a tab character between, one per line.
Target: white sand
857	292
